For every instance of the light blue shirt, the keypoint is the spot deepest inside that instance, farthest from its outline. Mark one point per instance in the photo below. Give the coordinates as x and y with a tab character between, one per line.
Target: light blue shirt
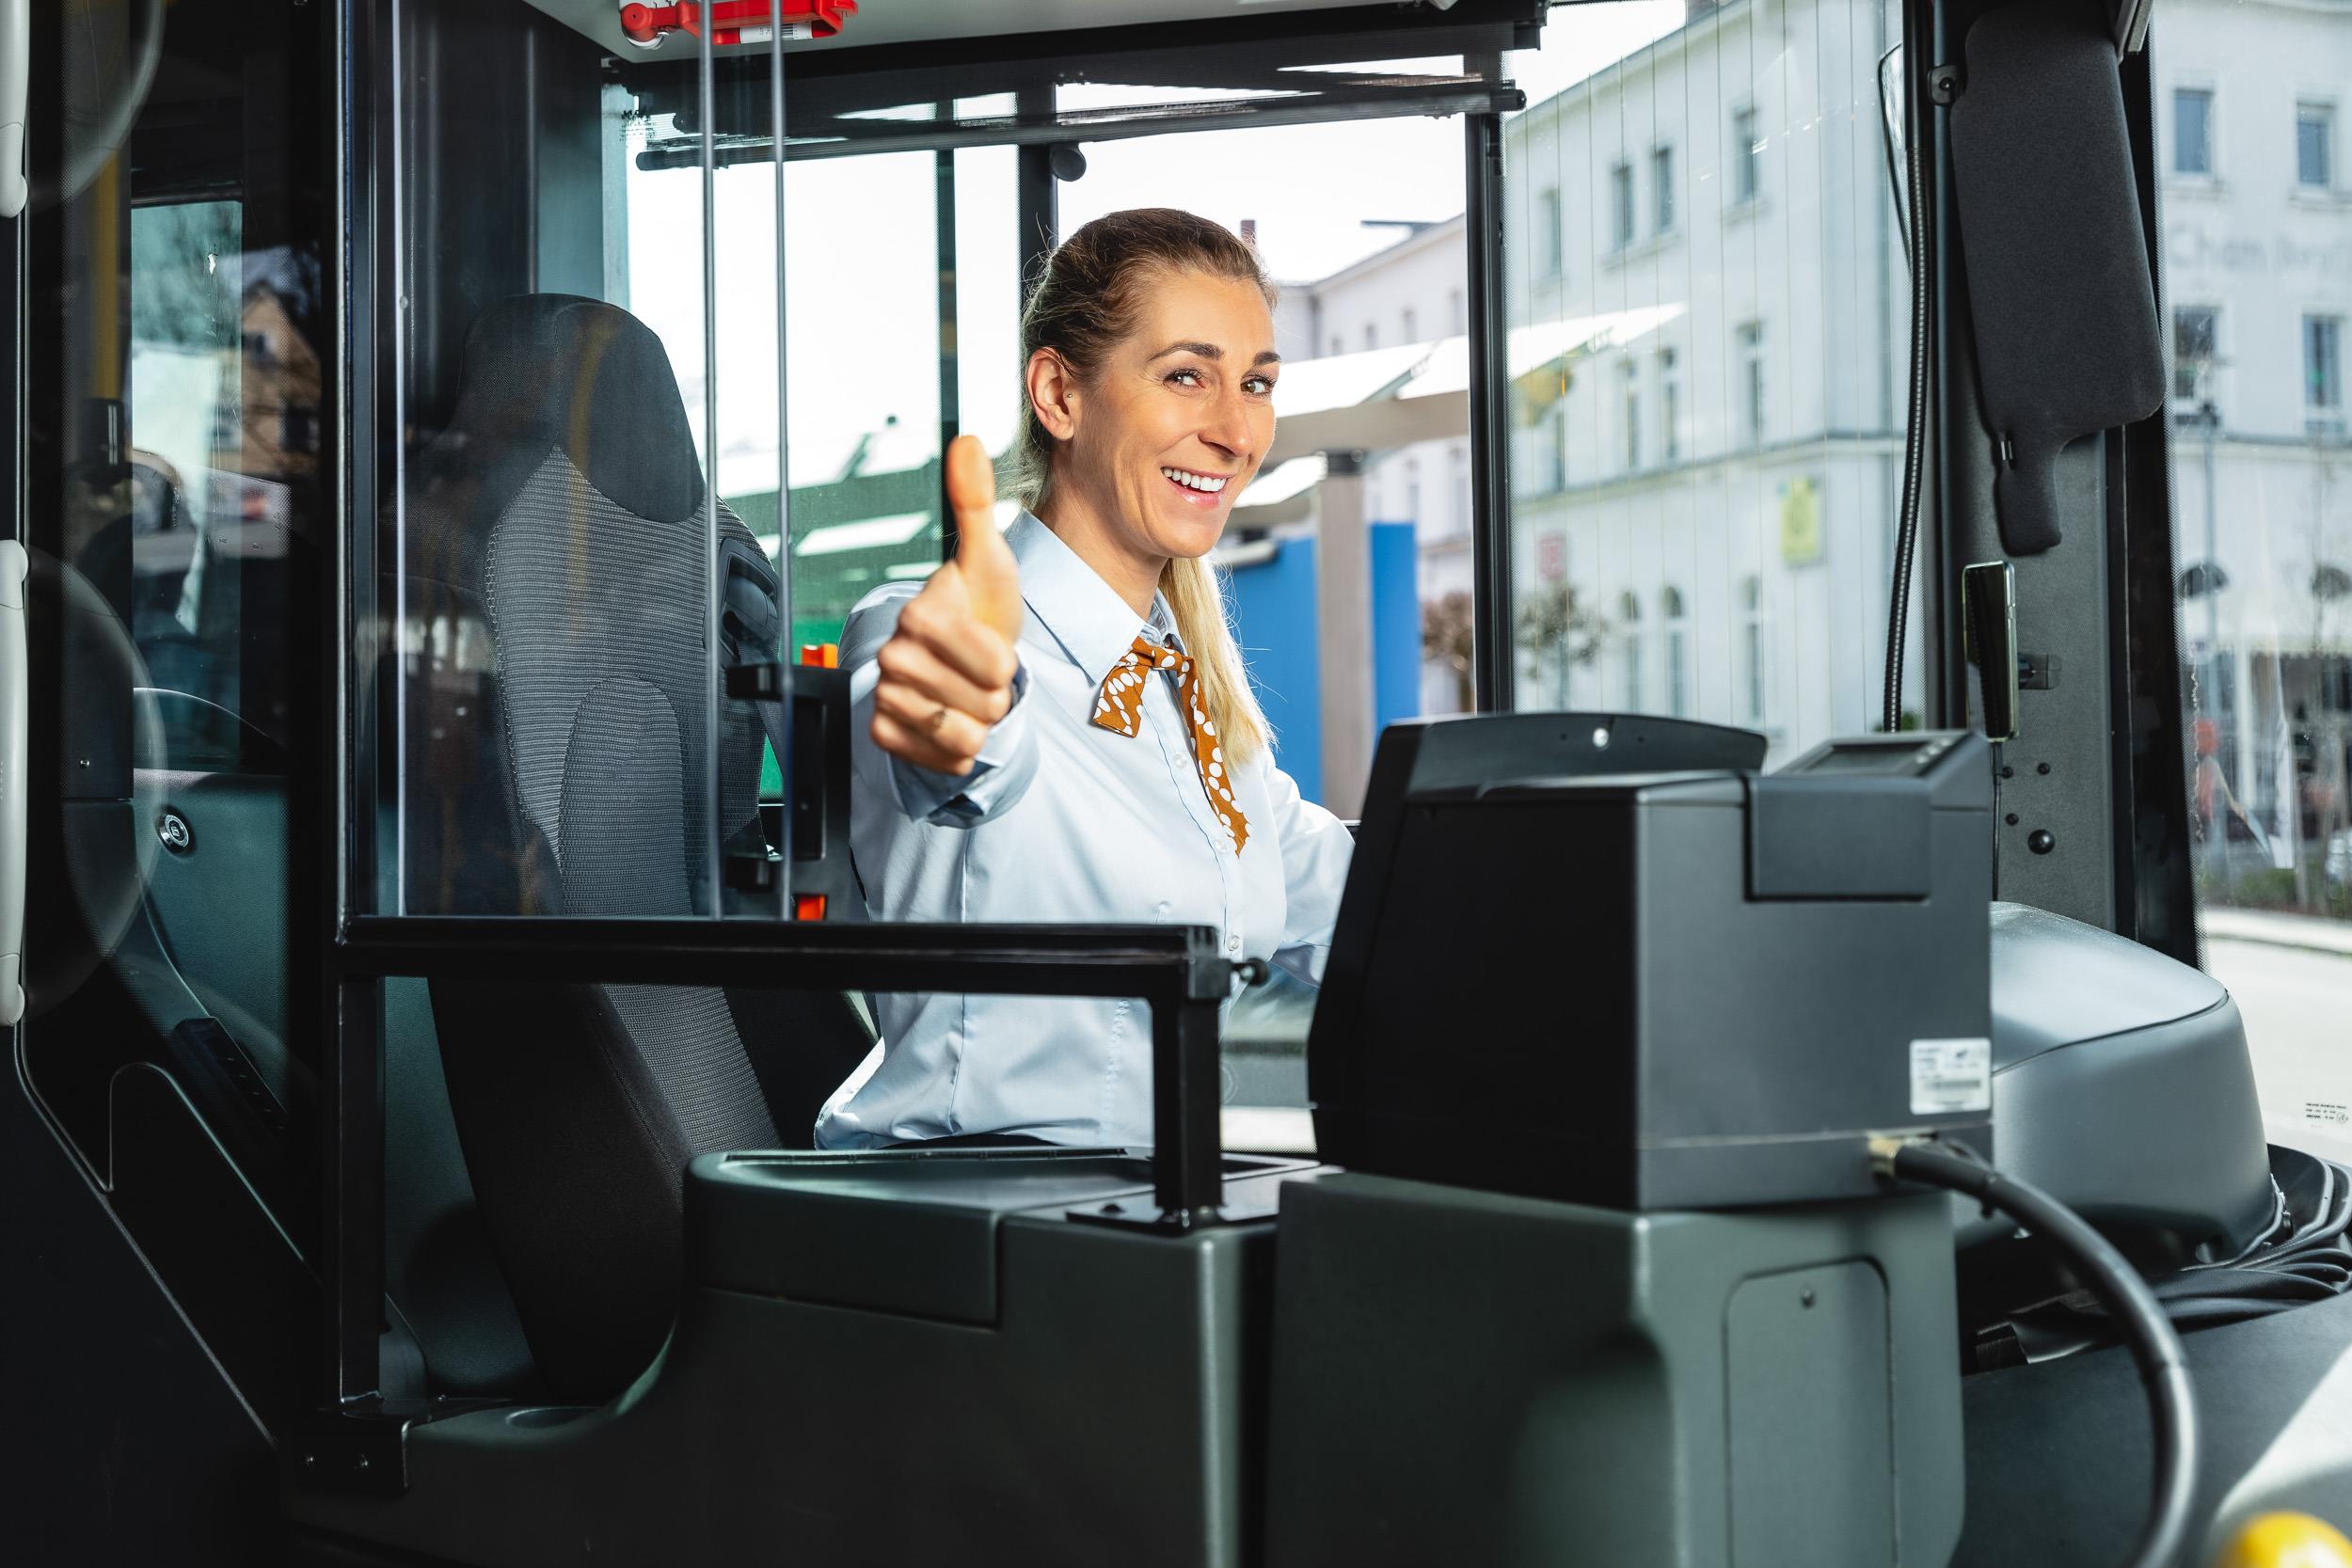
1060	821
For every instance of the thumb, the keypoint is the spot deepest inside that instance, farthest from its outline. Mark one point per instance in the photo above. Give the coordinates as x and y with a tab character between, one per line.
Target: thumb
991	576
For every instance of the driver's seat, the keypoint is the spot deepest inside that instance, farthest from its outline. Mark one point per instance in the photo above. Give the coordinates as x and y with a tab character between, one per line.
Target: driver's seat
557	580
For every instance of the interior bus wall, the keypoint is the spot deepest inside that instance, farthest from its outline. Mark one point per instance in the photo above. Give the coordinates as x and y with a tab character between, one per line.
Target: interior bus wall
2057	785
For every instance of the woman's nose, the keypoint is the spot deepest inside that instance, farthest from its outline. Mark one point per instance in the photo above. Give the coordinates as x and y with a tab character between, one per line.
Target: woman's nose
1230	429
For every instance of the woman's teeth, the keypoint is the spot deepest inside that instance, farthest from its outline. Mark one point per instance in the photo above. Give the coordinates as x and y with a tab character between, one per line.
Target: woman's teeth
1212	484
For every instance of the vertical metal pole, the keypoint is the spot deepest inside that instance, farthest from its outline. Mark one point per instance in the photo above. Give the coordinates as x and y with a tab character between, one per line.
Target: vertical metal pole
950	412
1037	194
1187	1156
785	652
1494	669
714	586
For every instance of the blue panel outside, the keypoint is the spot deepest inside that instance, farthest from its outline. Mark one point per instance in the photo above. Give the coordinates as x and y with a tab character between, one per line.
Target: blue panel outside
1395	624
1274	614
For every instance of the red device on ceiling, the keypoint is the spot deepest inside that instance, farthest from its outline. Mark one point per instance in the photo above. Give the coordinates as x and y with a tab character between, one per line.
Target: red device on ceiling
738	20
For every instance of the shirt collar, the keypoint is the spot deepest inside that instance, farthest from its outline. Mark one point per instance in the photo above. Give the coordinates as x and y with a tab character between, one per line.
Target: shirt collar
1094	626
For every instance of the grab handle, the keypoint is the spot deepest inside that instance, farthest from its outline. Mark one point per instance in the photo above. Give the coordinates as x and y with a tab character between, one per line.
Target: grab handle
16	48
13	687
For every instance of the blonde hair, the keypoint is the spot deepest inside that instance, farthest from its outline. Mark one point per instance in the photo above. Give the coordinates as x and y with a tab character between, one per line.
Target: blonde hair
1082	304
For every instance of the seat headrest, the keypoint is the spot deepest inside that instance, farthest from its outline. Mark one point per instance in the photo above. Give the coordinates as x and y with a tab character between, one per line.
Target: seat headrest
578	375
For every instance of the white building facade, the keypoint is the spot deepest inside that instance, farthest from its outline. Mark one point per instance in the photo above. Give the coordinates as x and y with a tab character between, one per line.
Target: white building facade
2255	206
1703	494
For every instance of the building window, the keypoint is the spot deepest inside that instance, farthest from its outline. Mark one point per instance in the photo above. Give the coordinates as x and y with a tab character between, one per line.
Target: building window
1457	490
1621	205
1630	617
1458	312
2192	131
1662	188
2323	364
1337	347
1629	398
1413	493
1751	644
1677	650
2314	144
1747	156
1413	330
1548	233
1751	341
2195	329
1372	336
1669	406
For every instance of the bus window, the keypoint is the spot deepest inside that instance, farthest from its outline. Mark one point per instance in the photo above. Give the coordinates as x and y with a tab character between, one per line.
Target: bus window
1707	307
2254	313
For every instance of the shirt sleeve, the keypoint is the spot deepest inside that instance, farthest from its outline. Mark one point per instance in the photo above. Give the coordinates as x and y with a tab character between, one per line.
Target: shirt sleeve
1000	775
1316	850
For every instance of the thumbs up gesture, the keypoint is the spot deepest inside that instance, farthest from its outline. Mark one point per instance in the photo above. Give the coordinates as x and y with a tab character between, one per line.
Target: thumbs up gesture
946	671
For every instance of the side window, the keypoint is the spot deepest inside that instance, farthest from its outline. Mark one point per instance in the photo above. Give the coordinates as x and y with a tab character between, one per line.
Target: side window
1704	445
2263	534
225	387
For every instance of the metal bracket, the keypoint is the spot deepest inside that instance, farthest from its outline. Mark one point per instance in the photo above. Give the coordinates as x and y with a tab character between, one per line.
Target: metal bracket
363	1447
758	683
1944	85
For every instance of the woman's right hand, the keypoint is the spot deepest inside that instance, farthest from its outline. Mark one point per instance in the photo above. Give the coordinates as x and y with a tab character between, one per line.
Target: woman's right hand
946	671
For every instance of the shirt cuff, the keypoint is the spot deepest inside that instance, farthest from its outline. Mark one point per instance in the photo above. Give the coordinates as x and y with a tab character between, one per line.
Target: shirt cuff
954	799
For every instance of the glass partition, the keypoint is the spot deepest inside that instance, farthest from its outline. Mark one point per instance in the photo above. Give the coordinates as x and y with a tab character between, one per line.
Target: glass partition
588	379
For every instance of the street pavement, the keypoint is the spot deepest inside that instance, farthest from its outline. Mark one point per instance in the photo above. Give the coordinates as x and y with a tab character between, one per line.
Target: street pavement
2297	1005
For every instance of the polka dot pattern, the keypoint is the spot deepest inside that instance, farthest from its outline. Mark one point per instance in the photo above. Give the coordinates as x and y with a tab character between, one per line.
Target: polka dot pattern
1119	709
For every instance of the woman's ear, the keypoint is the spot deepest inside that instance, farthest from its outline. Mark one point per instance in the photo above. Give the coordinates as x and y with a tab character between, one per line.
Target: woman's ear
1053	394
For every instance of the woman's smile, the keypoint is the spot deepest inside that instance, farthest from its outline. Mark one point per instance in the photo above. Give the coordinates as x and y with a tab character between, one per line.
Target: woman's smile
1195	487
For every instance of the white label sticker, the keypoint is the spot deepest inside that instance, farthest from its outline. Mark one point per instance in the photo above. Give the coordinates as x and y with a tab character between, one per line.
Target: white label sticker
1950	1076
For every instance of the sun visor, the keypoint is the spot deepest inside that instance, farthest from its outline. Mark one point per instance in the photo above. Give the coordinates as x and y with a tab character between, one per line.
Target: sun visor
2058	282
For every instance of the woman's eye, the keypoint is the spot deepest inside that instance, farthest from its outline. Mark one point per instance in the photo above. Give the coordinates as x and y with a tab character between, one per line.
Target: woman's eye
1181	376
1258	385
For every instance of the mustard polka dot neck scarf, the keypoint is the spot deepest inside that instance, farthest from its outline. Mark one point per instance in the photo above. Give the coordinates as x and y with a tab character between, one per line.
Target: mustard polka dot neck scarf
1119	709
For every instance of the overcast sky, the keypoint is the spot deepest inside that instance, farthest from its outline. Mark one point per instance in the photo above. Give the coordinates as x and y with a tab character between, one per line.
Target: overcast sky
864	341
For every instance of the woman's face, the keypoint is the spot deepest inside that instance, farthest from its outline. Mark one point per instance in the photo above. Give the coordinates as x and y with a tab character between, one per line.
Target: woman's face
1177	417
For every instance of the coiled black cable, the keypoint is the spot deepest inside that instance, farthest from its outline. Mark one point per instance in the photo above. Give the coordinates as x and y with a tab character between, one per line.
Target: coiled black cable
1915	427
2163	1369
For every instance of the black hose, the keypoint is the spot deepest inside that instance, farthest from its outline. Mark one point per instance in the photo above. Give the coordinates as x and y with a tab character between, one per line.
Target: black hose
2172	1404
1915	427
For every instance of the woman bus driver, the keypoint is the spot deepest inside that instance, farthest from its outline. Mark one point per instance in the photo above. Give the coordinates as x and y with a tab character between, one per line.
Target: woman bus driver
1056	728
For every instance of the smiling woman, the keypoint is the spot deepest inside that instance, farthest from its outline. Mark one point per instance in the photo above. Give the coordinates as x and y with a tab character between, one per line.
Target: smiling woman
1058	725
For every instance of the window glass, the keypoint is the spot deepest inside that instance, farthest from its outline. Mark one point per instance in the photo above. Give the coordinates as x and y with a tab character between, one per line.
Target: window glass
2323	377
1708	430
587	384
2196	329
2192	131
2314	144
2263	536
1747	156
226	390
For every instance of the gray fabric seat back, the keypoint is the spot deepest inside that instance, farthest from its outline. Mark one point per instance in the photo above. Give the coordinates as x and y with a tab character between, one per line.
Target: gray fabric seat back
558	557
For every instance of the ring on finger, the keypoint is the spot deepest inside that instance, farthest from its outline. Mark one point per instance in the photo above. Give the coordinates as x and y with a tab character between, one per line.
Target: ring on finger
936	721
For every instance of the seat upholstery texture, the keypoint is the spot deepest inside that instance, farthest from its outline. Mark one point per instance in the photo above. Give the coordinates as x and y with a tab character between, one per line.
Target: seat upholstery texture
558	569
